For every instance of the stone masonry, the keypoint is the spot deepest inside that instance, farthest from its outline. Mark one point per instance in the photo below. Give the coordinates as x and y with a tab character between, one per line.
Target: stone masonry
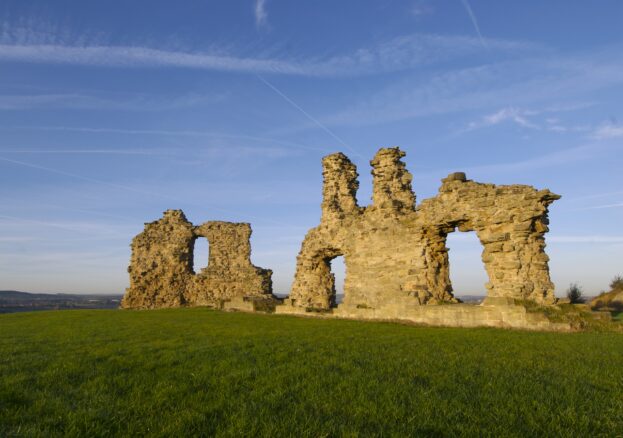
395	253
161	268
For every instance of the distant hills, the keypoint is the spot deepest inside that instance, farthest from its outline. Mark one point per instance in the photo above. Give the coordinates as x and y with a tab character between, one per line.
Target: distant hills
16	301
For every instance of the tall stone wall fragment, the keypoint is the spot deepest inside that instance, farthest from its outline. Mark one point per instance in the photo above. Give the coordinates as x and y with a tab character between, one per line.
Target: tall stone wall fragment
161	263
162	273
339	192
391	182
230	272
396	255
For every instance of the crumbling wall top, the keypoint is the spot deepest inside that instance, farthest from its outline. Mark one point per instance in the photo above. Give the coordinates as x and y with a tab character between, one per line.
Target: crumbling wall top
340	184
391	182
230	247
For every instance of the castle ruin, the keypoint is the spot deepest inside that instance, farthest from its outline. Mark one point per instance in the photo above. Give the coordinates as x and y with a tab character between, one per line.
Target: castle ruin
162	272
395	253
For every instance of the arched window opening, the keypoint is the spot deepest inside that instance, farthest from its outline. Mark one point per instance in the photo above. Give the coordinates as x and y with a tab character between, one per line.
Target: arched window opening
201	253
467	271
338	269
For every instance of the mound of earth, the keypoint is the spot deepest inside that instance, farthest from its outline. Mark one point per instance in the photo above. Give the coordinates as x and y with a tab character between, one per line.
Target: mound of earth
608	300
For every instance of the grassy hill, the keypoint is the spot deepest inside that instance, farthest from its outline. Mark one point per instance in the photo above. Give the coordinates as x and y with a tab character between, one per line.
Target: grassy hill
199	372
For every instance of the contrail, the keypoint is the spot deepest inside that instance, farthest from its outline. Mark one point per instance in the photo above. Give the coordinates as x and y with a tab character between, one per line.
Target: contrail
82	210
597	207
474	22
62	227
306	114
168	133
83	151
84	178
131	189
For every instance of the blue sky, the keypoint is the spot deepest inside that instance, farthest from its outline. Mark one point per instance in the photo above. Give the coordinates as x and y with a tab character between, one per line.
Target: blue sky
112	112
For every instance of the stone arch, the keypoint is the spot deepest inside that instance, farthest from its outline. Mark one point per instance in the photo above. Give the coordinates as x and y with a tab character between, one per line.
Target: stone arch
511	255
467	227
327	278
314	283
510	222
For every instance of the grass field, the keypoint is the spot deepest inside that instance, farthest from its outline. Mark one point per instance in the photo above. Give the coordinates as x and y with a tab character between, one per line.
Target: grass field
200	372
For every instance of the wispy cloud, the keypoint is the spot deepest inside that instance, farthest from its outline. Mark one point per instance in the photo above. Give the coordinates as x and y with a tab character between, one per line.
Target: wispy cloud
547	160
527	82
175	133
19	239
584	239
129	56
128	102
229	155
150	192
608	130
595	195
396	54
261	16
87	151
472	17
525	118
43	204
76	176
560	157
600	207
421	8
63	258
100	228
516	115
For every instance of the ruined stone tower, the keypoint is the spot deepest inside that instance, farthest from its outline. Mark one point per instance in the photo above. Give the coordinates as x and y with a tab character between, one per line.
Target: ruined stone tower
395	253
162	273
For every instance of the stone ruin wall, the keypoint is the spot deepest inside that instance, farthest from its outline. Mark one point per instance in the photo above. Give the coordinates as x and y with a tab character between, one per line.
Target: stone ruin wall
395	253
162	273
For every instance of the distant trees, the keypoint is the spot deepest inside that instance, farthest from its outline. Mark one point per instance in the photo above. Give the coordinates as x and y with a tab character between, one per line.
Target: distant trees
617	283
575	293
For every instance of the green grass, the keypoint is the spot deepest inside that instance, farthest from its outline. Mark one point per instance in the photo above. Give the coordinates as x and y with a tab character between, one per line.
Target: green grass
200	372
578	316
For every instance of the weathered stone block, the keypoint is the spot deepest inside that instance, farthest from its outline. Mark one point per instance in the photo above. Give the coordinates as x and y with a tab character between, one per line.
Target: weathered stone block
525	226
495	237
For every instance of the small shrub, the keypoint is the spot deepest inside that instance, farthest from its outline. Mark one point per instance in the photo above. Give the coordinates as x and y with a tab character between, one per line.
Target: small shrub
617	283
575	294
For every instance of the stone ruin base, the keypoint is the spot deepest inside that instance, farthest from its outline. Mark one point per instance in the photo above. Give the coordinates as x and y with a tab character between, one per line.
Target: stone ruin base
251	304
500	313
